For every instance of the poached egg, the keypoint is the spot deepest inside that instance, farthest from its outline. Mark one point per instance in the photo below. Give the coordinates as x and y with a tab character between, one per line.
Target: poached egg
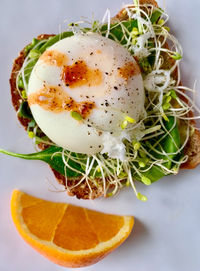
81	90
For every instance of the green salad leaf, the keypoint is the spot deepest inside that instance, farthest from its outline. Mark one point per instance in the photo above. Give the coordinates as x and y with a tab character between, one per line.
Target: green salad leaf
116	32
52	40
52	156
170	144
156	15
24	111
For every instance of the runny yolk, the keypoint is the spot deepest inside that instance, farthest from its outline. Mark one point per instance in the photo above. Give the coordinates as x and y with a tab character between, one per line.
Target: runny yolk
128	70
55	99
79	74
55	58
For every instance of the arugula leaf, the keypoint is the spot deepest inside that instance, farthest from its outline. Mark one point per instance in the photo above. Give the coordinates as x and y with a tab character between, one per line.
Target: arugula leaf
51	156
116	30
28	69
169	145
156	15
24	111
31	45
54	39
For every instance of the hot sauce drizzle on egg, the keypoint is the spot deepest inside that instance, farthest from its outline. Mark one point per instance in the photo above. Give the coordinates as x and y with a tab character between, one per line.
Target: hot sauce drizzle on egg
55	99
128	70
79	74
55	58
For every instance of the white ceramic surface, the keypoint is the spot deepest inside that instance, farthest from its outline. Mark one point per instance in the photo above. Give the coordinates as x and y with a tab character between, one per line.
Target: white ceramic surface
166	236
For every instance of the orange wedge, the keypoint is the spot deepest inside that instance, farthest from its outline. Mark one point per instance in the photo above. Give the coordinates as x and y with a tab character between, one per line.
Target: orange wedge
68	235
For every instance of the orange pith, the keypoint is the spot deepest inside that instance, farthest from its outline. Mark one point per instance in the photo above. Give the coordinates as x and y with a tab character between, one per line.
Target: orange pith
68	235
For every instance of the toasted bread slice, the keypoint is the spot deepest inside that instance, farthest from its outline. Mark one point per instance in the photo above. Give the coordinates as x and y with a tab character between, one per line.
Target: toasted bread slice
85	191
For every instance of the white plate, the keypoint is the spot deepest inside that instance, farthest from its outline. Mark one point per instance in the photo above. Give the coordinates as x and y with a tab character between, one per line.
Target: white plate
166	235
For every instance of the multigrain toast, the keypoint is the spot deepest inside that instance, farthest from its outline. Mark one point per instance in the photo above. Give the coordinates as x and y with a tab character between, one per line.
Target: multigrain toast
83	191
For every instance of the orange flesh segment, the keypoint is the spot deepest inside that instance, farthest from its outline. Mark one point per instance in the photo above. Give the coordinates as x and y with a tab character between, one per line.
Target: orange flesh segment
27	200
42	218
106	226
74	231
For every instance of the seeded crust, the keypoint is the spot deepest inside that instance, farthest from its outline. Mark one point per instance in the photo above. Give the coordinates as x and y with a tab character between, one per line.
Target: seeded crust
83	191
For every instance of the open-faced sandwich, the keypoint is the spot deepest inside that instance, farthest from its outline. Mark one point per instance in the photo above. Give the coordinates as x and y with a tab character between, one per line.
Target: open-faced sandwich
104	102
